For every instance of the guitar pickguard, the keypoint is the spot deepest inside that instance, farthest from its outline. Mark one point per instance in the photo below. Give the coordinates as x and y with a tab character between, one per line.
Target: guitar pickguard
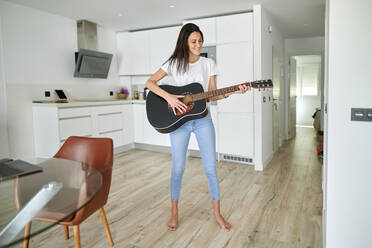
187	100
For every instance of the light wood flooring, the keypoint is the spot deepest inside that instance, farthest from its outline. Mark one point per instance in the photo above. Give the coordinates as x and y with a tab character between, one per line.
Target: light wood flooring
279	207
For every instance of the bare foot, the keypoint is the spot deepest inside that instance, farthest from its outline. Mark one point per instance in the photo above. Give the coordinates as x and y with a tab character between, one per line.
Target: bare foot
173	223
223	223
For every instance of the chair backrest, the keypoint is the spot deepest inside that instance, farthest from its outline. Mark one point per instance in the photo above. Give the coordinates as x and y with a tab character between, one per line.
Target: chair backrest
98	153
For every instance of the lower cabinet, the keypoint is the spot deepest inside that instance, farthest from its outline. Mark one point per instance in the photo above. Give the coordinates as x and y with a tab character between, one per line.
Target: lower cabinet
143	131
236	135
53	125
127	124
193	144
146	134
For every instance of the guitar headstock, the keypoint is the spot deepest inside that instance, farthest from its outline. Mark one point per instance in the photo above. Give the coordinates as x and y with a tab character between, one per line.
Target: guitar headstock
259	84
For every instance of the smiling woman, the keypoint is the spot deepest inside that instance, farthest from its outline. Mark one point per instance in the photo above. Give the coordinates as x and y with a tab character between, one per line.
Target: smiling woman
186	66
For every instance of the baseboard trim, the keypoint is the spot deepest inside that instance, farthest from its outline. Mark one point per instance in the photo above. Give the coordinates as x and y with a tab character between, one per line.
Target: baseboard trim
153	148
123	148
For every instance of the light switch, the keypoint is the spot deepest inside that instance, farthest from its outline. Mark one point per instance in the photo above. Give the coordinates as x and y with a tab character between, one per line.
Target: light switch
361	114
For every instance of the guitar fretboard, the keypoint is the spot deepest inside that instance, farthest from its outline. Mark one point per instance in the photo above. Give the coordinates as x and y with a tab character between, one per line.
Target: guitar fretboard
213	93
222	91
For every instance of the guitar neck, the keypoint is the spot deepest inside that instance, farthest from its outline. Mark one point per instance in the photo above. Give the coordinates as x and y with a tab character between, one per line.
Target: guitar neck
214	93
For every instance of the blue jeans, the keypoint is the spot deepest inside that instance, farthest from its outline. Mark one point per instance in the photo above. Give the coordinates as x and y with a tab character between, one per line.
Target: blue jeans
205	135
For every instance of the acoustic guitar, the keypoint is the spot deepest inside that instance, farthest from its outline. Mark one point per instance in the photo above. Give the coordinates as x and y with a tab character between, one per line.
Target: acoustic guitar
161	116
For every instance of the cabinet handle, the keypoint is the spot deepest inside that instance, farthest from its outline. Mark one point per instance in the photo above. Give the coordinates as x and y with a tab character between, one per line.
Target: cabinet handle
88	135
111	131
74	117
113	113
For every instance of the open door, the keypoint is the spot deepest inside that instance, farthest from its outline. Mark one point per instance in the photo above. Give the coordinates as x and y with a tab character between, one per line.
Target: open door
276	100
292	98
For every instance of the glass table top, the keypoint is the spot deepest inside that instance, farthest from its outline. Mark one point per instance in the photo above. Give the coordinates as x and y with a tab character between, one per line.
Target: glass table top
60	190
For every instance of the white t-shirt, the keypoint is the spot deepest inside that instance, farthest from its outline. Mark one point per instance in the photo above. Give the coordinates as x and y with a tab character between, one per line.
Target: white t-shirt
199	72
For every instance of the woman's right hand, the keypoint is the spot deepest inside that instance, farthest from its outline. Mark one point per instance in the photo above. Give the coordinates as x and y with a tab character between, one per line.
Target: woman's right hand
176	104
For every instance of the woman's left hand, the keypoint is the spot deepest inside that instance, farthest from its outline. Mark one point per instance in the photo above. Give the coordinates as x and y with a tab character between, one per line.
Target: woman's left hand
242	89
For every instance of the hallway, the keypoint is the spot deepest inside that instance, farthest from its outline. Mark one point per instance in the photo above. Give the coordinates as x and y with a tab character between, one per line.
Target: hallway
280	207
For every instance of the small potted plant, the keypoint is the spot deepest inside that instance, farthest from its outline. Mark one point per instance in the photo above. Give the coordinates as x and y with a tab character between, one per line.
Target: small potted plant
123	93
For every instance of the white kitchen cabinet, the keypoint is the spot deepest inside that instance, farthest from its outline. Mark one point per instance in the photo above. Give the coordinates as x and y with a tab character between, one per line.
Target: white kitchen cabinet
75	126
54	124
236	134
235	63
108	121
143	52
143	131
128	124
133	53
193	143
162	44
124	54
75	122
138	117
234	28
208	27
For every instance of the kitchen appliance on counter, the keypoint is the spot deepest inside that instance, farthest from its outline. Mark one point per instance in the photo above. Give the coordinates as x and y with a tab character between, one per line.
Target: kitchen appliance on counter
145	92
135	95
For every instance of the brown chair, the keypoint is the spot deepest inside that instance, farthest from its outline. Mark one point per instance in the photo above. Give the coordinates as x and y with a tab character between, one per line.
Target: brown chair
98	153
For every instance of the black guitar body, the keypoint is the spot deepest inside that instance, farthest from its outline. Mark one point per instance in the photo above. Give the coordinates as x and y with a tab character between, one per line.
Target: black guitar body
162	118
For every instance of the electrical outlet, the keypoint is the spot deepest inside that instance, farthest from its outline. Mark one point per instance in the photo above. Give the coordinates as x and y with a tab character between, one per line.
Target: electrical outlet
111	93
47	93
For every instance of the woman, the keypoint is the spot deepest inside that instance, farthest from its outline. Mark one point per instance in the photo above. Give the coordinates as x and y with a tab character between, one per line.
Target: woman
187	66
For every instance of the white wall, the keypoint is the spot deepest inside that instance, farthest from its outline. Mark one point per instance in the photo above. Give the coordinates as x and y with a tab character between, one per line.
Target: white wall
263	60
274	40
39	55
302	46
4	148
348	152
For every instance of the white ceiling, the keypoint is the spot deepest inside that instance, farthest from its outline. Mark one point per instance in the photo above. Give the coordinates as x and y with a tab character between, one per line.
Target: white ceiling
295	18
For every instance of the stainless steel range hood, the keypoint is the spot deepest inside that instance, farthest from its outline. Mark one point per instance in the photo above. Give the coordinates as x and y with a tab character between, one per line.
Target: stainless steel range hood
90	63
87	35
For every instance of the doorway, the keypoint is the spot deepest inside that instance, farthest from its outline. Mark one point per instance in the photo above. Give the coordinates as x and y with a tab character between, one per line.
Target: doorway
308	90
305	92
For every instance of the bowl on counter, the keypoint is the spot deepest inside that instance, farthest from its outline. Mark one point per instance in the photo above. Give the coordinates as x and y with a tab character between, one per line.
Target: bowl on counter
122	95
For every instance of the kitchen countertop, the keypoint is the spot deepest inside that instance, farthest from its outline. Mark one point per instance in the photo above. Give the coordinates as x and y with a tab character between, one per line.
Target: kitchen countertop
88	103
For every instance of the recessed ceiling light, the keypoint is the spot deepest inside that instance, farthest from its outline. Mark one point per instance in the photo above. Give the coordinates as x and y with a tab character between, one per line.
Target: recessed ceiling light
171	6
120	14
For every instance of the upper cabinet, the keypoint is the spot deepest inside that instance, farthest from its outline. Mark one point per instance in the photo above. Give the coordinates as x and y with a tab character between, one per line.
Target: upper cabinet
143	52
162	44
208	27
133	53
234	28
235	63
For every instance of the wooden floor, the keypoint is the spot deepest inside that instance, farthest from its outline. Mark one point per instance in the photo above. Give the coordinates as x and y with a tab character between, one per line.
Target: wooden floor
279	207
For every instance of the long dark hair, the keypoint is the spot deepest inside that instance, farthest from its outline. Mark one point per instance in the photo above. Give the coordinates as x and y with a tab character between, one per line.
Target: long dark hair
180	56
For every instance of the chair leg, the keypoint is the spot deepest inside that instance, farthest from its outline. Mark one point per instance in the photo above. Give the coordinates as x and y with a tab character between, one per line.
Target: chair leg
26	239
67	236
105	223
77	236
